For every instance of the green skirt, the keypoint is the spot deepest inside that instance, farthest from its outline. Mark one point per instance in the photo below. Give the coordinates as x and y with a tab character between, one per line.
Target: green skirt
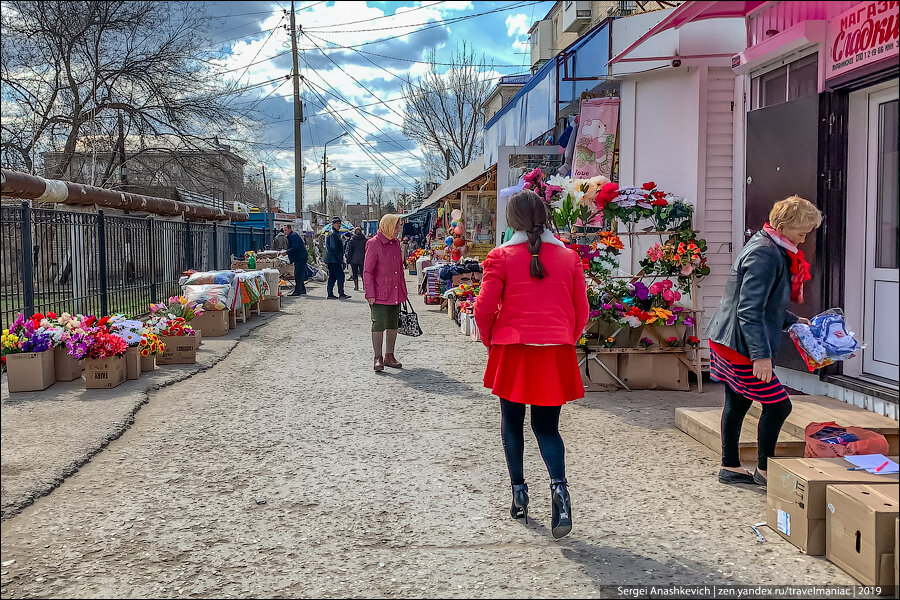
385	316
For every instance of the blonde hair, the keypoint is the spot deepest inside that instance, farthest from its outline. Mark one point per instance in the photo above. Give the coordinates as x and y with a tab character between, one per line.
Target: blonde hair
388	225
795	213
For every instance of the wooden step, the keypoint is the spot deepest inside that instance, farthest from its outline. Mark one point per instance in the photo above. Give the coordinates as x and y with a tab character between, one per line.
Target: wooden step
703	424
822	409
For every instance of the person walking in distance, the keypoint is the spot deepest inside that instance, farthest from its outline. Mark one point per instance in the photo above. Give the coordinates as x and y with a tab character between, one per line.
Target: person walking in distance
531	311
356	256
280	241
404	249
297	254
334	259
385	287
745	331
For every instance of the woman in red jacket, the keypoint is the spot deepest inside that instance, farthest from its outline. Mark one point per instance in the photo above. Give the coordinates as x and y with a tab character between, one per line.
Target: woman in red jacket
530	313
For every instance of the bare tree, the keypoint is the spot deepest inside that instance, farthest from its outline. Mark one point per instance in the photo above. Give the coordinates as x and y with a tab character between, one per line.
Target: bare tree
85	75
376	192
336	203
444	110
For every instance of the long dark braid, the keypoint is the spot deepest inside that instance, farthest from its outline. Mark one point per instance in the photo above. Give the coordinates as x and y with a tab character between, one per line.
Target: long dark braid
526	212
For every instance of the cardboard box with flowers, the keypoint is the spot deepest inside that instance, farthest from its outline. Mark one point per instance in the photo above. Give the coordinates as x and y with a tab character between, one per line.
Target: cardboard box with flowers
104	362
170	323
150	347
132	331
27	353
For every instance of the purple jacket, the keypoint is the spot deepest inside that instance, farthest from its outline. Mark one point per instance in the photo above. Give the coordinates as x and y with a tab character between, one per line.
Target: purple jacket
383	273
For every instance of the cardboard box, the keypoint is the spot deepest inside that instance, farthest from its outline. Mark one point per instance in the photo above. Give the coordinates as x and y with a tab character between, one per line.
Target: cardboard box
132	363
476	337
795	497
30	371
651	371
270	304
596	370
859	536
465	323
148	363
212	323
590	373
104	373
66	367
232	319
180	349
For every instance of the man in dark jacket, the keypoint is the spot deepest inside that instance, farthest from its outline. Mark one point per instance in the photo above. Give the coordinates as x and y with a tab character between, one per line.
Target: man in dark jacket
356	255
334	259
297	253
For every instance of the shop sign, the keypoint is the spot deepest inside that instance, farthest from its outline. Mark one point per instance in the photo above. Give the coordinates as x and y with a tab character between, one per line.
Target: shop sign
866	33
596	140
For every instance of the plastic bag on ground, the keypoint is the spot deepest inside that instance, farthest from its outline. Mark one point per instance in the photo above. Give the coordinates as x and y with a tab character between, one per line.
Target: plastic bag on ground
830	440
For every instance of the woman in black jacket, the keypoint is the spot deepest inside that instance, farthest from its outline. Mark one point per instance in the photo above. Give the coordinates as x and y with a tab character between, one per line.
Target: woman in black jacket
356	255
745	331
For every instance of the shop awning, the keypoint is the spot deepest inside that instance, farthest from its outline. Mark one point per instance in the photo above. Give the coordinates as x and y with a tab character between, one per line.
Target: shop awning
690	12
467	174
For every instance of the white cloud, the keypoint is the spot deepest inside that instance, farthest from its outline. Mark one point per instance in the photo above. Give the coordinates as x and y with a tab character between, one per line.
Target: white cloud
517	24
456	5
522	45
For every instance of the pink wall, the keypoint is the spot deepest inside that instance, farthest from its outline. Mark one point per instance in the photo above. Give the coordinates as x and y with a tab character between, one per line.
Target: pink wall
782	15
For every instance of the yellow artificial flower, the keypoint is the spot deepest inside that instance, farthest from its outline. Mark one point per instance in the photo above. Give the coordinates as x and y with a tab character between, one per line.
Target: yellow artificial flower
182	300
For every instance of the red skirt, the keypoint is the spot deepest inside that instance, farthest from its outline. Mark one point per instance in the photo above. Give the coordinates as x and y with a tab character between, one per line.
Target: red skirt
541	375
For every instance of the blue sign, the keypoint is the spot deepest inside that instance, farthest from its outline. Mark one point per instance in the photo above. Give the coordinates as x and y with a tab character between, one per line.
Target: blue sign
514	79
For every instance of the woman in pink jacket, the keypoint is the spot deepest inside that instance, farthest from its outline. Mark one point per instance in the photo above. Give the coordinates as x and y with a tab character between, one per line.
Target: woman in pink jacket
530	313
385	287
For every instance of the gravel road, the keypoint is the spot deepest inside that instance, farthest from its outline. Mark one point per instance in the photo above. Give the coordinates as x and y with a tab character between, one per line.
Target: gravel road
290	469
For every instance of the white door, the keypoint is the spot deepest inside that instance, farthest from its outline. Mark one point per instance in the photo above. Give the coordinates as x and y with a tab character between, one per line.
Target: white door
882	260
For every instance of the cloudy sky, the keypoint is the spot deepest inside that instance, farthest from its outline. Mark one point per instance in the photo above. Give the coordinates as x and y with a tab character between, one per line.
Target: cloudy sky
361	83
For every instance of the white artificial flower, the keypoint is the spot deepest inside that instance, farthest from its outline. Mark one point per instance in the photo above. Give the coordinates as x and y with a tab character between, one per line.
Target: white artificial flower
559	180
633	321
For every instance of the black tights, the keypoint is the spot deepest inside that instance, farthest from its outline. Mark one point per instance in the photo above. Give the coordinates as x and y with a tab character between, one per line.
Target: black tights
545	424
770	422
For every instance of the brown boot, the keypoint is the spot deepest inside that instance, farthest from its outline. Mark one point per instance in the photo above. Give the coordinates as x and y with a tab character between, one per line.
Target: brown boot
379	363
390	361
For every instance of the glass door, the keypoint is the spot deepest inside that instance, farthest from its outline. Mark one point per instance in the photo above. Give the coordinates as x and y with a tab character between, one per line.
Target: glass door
882	355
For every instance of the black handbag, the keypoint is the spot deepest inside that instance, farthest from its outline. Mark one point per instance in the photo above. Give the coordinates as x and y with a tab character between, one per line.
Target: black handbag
409	321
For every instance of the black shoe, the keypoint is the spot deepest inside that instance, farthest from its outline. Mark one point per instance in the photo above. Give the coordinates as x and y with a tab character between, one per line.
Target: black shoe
344	297
759	479
519	506
561	520
297	294
332	298
732	477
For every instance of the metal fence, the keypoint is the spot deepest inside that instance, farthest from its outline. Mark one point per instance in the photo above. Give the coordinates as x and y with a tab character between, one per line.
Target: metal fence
92	263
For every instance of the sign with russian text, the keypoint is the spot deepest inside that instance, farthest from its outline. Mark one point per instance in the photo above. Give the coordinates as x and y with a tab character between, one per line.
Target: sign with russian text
864	34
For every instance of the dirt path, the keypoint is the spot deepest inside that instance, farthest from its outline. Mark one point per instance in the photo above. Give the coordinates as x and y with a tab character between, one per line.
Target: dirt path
291	469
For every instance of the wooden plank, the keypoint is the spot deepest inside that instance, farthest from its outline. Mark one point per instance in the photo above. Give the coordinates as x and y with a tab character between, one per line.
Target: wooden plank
822	409
703	424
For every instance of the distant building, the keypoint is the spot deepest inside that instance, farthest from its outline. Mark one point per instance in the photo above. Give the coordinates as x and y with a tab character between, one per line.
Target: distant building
214	176
506	89
568	20
357	213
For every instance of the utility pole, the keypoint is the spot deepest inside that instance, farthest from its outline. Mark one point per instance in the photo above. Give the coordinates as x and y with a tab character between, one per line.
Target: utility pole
298	119
270	218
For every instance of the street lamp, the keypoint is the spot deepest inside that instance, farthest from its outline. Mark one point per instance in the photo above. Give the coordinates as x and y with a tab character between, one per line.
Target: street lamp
325	169
368	207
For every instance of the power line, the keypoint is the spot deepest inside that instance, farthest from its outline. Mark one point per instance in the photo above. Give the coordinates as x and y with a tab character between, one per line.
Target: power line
438	23
386	16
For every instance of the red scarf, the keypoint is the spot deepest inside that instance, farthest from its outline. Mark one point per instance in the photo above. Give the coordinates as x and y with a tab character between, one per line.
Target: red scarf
799	264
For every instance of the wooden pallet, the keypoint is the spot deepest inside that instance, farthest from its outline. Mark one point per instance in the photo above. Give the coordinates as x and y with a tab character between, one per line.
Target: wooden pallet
703	424
821	409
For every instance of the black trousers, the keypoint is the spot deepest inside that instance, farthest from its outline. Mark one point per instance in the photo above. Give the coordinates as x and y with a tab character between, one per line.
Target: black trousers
335	275
299	278
356	272
770	422
545	425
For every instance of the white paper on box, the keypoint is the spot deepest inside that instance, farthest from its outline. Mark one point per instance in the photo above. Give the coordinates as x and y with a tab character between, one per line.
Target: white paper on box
784	522
871	462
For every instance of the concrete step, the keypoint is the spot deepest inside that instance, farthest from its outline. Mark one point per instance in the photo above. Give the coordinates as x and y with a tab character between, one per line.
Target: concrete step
821	409
703	424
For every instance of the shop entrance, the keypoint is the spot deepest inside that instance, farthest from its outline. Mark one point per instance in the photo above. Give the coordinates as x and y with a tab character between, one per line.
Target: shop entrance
881	241
782	147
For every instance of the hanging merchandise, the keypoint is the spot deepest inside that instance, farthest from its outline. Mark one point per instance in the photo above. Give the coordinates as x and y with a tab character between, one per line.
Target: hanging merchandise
596	140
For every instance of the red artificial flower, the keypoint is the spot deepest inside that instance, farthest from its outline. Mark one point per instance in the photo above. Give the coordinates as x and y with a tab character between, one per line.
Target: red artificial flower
660	202
649	186
51	315
607	193
658	195
89	321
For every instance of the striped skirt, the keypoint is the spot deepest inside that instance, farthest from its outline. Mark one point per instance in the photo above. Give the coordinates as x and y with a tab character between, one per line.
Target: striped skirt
738	375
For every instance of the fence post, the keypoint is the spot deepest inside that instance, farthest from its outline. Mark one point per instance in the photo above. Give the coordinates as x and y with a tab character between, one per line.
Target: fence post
151	233
27	261
188	246
215	247
101	251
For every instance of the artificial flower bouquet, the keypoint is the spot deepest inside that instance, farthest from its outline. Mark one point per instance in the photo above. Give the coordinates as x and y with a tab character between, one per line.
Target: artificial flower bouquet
130	330
600	258
683	256
178	306
103	344
151	345
24	335
169	325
